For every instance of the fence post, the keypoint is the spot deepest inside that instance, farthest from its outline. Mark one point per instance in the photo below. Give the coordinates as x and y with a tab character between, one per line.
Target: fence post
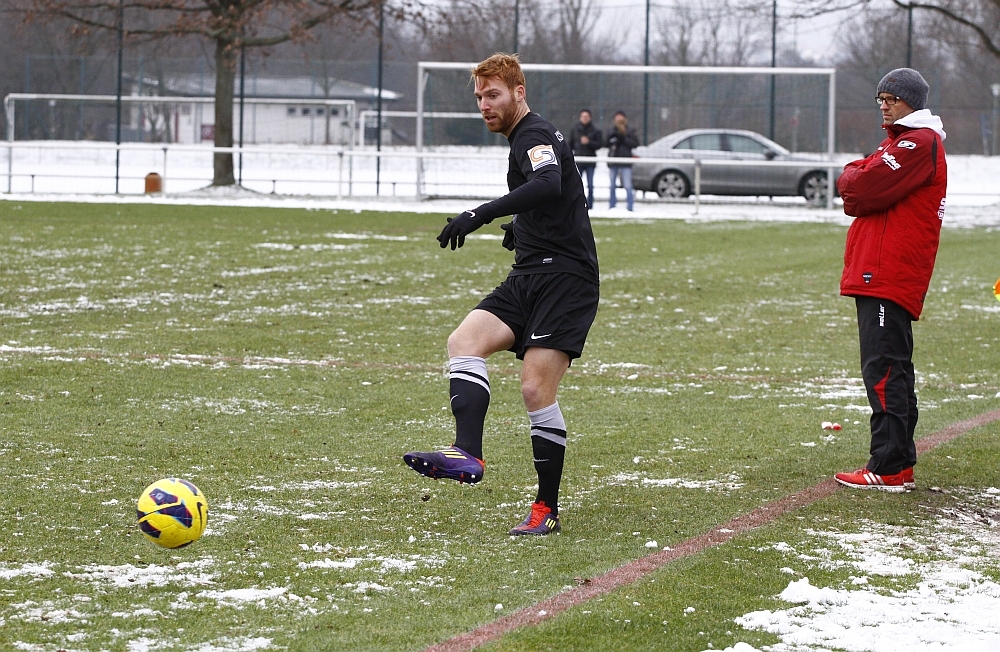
830	187
697	185
8	105
340	175
422	78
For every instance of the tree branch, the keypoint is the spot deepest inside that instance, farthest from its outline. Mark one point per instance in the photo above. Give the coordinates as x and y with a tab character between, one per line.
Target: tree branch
985	37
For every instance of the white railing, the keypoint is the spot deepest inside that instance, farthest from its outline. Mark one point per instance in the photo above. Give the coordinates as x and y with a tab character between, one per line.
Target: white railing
345	177
372	115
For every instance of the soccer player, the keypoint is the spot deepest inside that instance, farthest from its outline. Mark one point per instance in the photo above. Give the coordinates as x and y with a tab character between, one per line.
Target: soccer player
544	309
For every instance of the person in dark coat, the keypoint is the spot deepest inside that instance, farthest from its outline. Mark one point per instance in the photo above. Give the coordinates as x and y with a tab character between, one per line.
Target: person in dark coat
586	139
620	141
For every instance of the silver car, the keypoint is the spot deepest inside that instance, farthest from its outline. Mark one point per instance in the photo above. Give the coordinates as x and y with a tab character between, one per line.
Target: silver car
735	145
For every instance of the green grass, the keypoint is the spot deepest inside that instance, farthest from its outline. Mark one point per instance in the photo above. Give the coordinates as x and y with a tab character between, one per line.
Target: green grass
286	380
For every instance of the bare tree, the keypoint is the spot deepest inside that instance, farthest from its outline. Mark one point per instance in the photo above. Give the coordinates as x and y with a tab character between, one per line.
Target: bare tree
577	20
712	33
981	18
470	30
229	25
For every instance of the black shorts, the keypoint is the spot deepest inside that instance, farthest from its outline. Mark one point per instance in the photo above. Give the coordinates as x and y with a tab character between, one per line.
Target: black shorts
552	311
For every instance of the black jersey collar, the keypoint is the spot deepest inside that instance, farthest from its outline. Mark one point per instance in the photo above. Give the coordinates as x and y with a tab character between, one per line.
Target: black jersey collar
513	132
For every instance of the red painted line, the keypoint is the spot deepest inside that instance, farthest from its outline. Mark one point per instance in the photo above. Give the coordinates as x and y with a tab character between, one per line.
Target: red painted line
640	568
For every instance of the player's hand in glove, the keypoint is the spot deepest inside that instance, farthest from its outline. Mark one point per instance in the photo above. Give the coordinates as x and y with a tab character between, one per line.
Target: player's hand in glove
508	235
457	228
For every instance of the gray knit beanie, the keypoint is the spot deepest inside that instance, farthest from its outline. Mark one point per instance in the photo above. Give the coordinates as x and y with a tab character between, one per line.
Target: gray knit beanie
908	85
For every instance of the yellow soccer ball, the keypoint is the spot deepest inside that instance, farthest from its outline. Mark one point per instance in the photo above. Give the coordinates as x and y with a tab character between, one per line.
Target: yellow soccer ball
172	513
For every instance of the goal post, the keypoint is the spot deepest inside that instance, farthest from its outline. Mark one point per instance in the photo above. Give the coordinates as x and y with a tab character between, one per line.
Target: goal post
690	96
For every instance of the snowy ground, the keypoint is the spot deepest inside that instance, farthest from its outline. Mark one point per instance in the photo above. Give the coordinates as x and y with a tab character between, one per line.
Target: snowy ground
748	210
314	178
946	597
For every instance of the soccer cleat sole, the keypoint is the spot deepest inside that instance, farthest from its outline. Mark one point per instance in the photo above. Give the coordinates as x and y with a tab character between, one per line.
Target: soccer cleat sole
428	469
527	533
892	489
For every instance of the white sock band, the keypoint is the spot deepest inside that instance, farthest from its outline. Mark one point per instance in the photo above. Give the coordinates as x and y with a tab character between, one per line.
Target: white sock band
470	368
548	423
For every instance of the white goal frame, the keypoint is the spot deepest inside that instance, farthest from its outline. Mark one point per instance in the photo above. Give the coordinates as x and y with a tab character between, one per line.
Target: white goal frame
831	73
10	100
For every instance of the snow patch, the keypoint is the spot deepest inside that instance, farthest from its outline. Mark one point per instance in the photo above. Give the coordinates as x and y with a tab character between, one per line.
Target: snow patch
185	574
952	605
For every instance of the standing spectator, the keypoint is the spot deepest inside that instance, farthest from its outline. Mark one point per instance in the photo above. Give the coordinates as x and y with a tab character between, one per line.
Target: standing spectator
621	140
897	196
586	139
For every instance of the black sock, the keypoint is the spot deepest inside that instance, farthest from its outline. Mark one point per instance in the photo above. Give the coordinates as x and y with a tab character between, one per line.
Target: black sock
470	399
548	446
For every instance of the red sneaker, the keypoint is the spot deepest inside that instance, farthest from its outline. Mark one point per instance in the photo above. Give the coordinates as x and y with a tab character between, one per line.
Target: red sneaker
865	479
540	521
908	482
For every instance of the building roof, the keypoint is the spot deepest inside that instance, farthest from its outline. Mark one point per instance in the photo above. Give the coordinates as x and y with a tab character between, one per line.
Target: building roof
195	84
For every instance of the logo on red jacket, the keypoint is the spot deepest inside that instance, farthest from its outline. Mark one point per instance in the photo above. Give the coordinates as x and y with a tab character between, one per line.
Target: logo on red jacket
907	144
941	209
868	277
890	160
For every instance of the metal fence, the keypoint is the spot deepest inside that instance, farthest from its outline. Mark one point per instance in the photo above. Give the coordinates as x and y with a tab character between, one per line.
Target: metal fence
88	168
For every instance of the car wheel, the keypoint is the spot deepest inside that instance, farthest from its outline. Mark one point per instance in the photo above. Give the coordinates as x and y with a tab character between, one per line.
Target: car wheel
813	187
672	185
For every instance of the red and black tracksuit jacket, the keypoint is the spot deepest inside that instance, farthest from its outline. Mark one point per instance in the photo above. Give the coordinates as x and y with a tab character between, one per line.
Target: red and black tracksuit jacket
897	196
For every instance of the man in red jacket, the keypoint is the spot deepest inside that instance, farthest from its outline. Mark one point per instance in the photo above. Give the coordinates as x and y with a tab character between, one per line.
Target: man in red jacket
897	196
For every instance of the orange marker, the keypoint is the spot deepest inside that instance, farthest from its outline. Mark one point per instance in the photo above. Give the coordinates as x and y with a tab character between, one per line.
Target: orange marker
996	289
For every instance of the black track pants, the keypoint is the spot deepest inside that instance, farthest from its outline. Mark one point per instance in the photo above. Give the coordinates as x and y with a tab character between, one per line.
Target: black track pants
886	333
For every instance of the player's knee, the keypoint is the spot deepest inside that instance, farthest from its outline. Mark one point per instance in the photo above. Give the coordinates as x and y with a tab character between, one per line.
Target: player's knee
454	344
459	343
535	393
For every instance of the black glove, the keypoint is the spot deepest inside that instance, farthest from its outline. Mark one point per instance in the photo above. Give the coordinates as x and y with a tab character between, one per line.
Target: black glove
508	236
457	228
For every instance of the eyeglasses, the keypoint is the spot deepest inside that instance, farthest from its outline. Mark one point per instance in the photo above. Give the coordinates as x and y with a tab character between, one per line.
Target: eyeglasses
888	99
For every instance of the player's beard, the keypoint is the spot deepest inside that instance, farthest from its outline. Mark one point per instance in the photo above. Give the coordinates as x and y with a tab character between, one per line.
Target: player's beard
505	115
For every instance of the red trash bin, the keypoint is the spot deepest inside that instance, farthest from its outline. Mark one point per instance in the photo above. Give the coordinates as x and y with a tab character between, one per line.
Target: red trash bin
154	183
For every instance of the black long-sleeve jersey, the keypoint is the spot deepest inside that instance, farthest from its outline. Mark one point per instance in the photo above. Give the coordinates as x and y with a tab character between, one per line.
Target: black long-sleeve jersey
552	231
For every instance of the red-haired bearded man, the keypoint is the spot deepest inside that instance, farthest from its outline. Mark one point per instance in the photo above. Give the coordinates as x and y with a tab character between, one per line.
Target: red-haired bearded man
544	309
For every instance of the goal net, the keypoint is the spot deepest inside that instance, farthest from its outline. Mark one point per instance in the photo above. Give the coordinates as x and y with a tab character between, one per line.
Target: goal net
795	107
658	100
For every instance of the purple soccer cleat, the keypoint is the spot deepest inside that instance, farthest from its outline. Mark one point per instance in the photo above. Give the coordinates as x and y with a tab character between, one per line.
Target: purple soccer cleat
450	463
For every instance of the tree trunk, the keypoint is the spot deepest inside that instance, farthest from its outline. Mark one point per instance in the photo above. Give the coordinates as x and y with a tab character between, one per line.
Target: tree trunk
225	81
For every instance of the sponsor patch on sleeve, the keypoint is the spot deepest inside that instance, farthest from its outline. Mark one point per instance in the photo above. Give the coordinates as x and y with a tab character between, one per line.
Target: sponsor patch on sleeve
890	160
907	144
542	155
